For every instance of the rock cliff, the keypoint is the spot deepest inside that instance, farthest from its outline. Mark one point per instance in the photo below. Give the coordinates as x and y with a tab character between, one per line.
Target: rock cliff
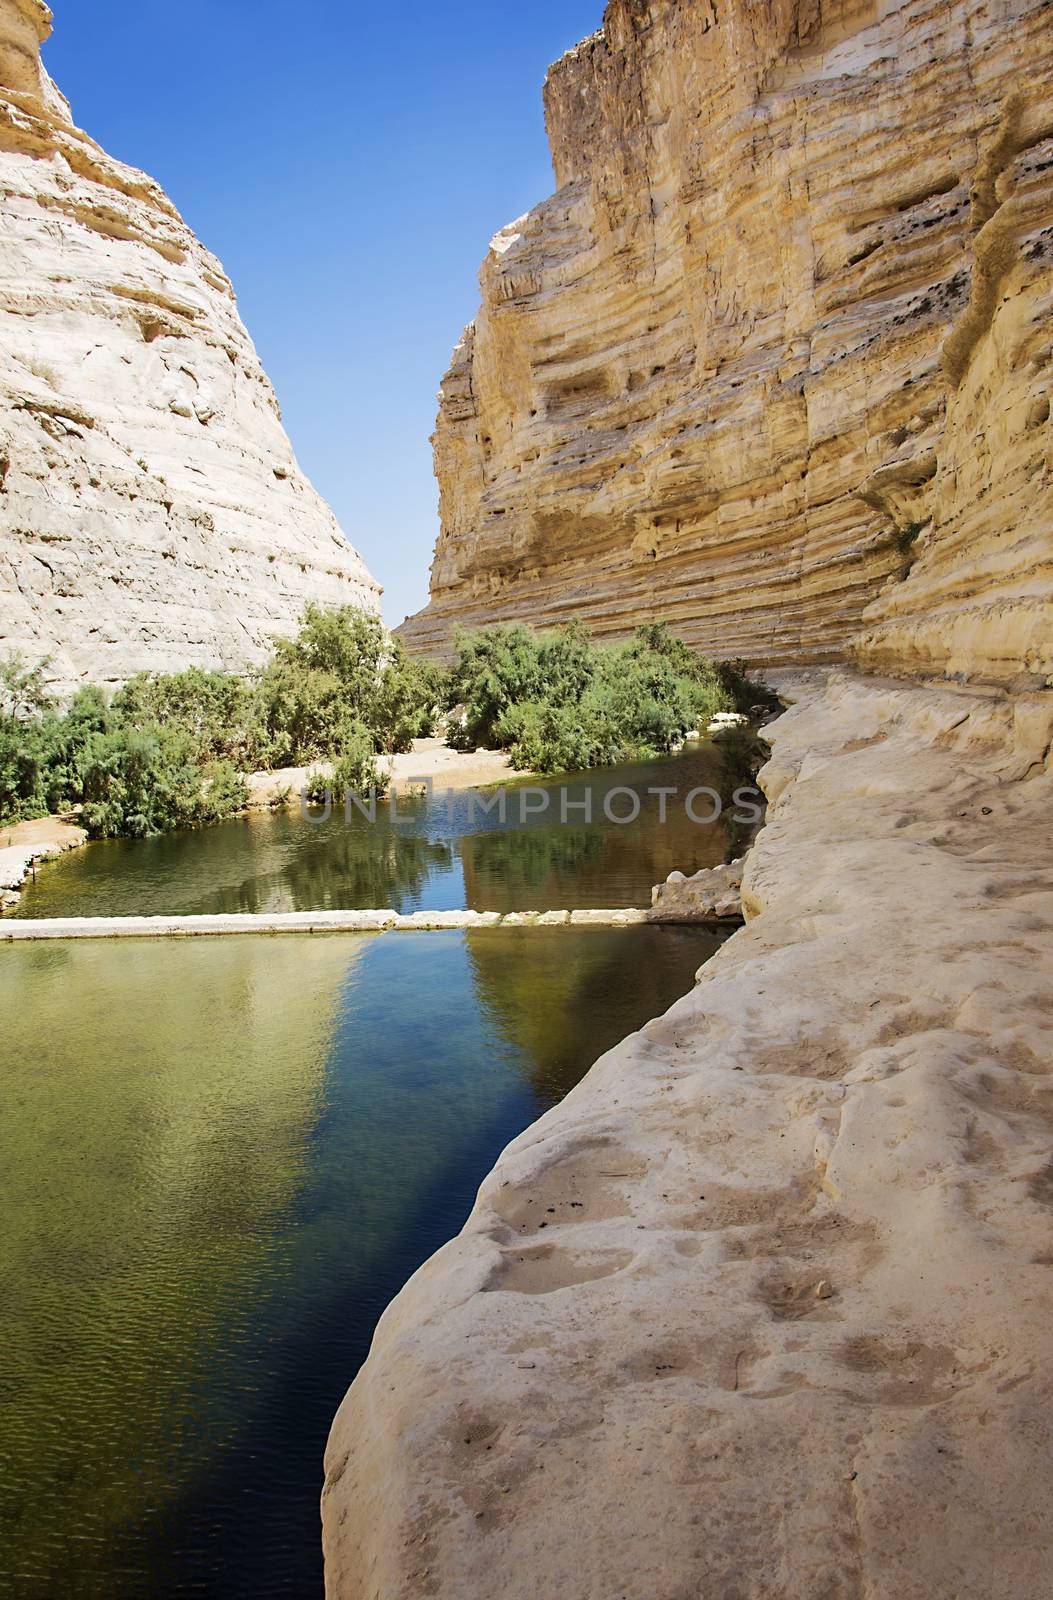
775	362
775	359
152	514
794	1282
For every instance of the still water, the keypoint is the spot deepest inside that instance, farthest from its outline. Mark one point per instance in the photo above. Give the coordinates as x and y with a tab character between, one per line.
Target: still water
219	1160
440	855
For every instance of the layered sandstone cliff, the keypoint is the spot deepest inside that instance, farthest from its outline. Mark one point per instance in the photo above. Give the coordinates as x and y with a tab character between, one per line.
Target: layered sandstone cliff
152	513
776	362
780	339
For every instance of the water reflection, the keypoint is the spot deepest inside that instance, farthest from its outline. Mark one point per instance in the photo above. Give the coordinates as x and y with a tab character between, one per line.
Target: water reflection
434	855
219	1161
594	991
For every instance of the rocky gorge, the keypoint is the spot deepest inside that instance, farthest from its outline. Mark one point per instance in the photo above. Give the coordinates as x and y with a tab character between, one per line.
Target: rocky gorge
762	1309
152	513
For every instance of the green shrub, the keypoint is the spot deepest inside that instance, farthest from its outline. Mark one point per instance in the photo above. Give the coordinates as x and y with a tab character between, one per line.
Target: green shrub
301	715
137	781
558	702
215	710
354	768
406	701
497	668
170	749
21	767
645	698
23	753
545	738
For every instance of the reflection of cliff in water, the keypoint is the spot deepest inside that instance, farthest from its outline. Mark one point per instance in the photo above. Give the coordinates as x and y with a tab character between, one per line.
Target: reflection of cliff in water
554	864
564	1002
535	868
162	1113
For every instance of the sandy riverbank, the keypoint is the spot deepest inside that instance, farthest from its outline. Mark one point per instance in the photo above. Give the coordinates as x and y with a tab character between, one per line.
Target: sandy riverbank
429	758
22	844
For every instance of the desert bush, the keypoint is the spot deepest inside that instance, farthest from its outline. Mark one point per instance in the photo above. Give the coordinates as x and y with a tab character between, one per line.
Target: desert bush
408	697
138	781
497	668
559	702
215	710
354	768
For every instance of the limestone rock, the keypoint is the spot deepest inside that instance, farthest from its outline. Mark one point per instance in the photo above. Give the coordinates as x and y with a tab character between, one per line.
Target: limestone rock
796	1281
152	514
782	331
713	894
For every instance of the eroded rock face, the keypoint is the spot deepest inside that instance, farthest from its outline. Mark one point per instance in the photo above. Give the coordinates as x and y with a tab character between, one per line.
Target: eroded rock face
783	330
789	1328
152	514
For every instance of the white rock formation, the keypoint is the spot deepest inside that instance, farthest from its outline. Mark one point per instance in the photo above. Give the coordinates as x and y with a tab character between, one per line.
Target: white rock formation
152	514
714	894
789	1329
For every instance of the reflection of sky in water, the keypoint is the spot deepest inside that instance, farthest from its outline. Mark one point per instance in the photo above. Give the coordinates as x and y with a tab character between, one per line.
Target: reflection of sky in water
441	854
220	1160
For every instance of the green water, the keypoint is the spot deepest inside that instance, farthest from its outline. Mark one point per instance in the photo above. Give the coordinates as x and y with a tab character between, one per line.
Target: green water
436	856
219	1161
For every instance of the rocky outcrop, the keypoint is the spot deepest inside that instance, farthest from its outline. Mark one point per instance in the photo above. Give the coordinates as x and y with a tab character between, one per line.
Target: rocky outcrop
774	361
152	514
713	894
794	1279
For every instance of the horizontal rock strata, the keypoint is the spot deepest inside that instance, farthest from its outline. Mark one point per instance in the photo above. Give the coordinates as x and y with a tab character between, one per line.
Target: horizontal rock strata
782	331
152	513
765	1306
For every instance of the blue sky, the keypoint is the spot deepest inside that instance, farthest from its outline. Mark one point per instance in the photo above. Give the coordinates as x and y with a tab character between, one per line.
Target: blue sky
348	163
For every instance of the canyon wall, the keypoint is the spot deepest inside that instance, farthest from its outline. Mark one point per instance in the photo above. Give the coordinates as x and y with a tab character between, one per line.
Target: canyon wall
152	513
774	361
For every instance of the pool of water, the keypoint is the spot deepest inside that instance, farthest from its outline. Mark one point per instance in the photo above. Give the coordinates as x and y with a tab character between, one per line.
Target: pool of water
219	1160
437	855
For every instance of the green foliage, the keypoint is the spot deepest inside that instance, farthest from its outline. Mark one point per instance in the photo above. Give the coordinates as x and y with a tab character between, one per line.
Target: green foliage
301	715
354	768
170	749
136	782
344	643
544	737
23	692
213	709
497	668
407	700
558	702
342	672
23	703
